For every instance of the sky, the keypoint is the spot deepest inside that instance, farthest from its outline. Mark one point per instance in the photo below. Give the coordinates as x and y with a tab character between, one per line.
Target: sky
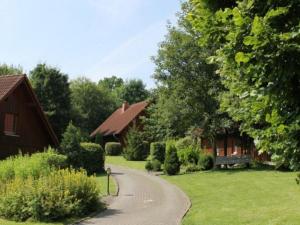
92	38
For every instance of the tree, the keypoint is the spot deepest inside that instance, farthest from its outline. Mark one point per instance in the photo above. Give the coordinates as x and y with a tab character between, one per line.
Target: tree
10	70
188	87
111	83
70	145
257	53
52	89
90	104
133	91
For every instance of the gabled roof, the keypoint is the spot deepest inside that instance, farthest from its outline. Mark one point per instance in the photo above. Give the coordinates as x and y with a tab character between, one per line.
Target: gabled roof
9	83
120	119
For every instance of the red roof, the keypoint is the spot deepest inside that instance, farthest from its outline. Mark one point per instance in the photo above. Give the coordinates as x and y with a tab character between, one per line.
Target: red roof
120	119
9	83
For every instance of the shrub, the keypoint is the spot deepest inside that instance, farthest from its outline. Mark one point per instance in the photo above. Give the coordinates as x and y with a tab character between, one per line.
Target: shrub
99	139
70	145
189	155
135	147
192	168
156	165
36	165
92	157
171	164
183	143
158	151
206	162
149	166
113	148
61	194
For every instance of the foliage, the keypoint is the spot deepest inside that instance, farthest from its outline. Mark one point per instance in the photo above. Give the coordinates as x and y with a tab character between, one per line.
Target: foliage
92	157
185	142
158	151
171	164
133	91
135	146
70	145
10	70
90	104
206	162
99	139
113	148
190	168
149	166
35	165
52	89
257	52
156	165
189	155
60	194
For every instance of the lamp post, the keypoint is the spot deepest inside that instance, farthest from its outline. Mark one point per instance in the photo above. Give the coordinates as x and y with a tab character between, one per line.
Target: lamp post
108	171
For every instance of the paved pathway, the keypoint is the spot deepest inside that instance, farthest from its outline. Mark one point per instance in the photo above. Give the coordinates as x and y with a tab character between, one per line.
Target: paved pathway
143	199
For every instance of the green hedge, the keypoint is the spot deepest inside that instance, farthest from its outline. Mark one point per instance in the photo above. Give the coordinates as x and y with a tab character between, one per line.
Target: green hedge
113	148
158	151
92	157
60	194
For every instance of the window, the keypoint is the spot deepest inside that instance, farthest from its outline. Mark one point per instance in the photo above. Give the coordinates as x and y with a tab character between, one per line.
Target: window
10	124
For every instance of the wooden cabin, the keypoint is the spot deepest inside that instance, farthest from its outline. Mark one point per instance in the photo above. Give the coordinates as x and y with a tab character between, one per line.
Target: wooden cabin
232	148
116	126
23	125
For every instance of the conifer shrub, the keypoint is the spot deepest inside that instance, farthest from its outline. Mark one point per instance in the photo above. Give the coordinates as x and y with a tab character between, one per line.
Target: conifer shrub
113	148
171	164
135	148
158	151
70	146
92	157
60	194
99	139
149	166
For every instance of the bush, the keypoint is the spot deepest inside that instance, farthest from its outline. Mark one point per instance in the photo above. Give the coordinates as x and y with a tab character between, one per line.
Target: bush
189	155
70	145
61	194
206	162
92	157
99	139
149	166
36	165
192	168
135	146
171	164
183	143
158	151
113	148
156	165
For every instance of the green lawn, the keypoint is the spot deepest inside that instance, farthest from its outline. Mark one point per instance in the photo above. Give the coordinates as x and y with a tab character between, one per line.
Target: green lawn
235	197
101	180
119	160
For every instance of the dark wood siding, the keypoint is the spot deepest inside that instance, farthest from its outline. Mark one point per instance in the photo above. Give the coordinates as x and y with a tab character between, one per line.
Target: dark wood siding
31	134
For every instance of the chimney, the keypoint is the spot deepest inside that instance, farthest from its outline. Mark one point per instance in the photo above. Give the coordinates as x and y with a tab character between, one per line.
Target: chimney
125	106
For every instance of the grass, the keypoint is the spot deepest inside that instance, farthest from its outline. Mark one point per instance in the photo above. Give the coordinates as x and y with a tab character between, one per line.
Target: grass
236	197
101	180
119	160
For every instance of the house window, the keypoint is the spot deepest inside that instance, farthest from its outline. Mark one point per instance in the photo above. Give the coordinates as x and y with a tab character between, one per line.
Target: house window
10	124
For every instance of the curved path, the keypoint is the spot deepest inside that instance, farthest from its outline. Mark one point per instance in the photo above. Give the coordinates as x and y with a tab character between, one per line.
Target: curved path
143	199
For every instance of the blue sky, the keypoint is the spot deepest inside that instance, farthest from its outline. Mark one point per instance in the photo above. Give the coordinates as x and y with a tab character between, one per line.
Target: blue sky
92	38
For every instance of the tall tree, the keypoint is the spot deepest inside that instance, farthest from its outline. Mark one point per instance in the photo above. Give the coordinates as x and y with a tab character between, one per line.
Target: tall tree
10	70
188	87
52	89
258	55
133	91
90	104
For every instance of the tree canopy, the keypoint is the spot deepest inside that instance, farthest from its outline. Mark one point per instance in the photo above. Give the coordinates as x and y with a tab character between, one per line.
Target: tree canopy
257	51
10	70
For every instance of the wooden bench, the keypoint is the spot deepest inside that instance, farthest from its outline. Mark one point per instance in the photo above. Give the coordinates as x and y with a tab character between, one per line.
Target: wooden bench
230	160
